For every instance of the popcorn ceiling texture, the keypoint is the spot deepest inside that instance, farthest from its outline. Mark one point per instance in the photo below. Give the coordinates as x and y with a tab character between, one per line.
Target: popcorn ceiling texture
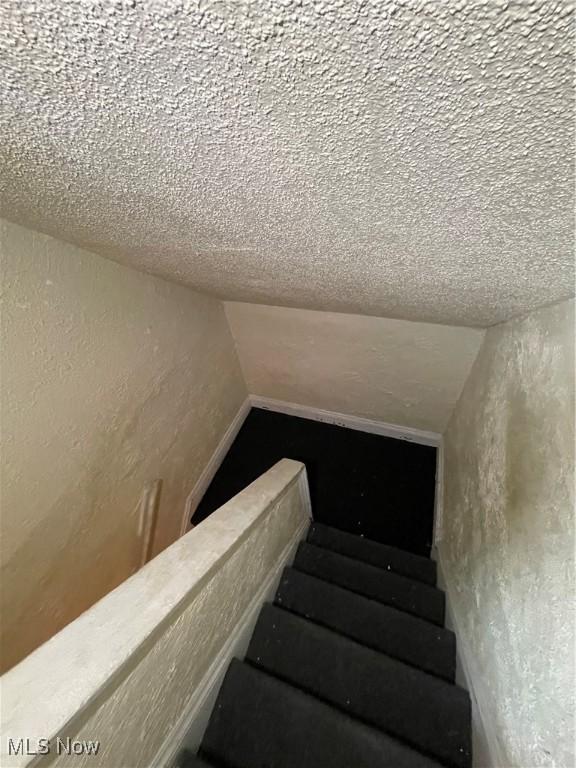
508	535
110	380
403	158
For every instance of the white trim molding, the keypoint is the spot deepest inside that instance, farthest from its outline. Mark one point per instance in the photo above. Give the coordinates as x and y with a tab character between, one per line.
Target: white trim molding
201	485
487	751
360	423
437	532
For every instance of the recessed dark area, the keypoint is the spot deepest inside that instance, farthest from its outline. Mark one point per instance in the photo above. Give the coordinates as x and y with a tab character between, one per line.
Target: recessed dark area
378	487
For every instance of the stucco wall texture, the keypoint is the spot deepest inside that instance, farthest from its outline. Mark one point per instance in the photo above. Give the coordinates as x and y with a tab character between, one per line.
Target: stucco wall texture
152	698
110	379
508	534
394	371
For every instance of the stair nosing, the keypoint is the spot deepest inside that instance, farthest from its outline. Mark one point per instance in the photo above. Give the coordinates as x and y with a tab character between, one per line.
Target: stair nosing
366	723
331	706
371	565
438	676
348	639
334	585
403	552
383	570
461	692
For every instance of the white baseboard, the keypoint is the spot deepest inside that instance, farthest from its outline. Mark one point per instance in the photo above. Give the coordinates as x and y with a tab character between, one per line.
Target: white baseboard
486	749
437	531
344	420
201	486
189	730
360	423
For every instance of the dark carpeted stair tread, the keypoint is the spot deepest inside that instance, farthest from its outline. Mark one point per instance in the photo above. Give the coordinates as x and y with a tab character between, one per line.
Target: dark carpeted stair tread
372	552
188	760
408	595
371	623
423	711
260	721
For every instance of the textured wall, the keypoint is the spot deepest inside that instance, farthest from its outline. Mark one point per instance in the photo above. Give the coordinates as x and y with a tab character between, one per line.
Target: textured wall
391	370
150	700
406	159
508	534
110	379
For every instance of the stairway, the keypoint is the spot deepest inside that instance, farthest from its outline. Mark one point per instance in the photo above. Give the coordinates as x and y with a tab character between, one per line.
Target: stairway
350	667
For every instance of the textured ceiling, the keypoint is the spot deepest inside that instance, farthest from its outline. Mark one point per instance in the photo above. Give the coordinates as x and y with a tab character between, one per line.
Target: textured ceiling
399	158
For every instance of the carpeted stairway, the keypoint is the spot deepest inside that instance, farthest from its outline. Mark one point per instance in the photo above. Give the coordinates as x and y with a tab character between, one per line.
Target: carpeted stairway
350	667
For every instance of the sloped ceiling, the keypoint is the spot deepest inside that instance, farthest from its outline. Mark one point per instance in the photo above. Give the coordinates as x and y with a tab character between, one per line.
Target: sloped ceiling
407	159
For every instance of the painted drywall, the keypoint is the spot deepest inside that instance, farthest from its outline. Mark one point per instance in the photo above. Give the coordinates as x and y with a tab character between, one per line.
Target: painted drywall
110	379
507	550
404	373
147	647
407	159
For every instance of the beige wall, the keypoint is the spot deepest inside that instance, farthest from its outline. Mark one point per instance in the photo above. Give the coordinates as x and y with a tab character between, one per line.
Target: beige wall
150	650
110	379
174	667
508	535
395	371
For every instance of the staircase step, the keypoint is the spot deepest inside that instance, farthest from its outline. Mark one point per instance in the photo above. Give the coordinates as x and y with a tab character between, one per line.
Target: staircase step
189	760
262	722
429	714
376	583
377	626
373	553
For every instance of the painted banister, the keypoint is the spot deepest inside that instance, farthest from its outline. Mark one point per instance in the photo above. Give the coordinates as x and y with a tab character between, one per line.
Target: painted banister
123	672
